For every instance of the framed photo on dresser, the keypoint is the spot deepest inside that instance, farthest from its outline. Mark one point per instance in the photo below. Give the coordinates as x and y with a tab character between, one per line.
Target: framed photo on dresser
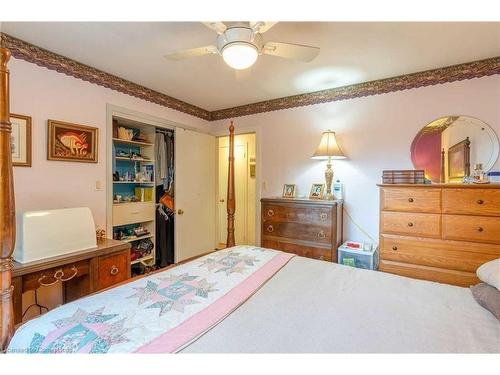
317	191
21	140
289	190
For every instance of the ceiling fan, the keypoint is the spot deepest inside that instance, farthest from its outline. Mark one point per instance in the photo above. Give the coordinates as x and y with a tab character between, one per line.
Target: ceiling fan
240	45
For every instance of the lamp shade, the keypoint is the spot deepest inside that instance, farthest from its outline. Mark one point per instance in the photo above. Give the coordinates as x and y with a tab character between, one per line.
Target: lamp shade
328	147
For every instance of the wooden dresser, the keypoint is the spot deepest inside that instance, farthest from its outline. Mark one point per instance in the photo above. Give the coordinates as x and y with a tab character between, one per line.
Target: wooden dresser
306	227
81	272
439	232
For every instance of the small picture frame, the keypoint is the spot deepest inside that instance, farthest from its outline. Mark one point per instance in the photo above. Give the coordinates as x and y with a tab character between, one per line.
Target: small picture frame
21	140
72	142
289	190
317	191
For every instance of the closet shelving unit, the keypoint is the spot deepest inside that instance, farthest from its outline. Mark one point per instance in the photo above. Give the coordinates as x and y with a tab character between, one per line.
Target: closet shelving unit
129	215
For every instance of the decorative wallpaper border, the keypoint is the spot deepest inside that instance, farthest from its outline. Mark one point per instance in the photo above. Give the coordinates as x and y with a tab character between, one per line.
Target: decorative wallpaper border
39	56
50	60
452	73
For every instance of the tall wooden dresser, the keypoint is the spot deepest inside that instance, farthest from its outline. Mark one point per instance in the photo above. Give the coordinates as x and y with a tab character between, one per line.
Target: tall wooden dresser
306	227
439	232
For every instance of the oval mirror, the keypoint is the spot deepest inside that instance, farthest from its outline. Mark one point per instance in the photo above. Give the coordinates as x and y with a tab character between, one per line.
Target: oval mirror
449	148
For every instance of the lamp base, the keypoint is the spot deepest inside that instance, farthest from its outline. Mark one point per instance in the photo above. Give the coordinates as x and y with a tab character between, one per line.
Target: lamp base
328	197
329	178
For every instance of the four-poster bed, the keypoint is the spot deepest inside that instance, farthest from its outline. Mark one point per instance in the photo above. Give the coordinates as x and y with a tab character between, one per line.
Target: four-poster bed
7	208
242	299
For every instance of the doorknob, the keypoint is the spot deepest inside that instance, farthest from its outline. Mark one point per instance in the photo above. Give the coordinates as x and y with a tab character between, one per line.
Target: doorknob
180	212
221	200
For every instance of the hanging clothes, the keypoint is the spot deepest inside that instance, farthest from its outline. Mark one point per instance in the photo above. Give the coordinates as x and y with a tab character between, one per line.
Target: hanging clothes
161	171
164	171
164	232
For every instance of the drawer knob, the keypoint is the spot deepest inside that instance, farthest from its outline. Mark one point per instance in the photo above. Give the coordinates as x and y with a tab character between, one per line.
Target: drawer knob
395	248
410	224
270	212
321	234
114	270
480	229
270	228
323	216
480	201
410	200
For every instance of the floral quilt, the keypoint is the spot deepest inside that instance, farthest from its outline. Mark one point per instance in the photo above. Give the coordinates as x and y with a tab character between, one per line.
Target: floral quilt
161	313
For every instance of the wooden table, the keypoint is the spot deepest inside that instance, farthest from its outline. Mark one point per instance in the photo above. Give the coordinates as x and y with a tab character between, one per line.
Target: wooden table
80	272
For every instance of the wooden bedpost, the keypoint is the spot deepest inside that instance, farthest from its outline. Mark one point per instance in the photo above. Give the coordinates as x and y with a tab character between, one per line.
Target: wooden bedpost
231	200
7	210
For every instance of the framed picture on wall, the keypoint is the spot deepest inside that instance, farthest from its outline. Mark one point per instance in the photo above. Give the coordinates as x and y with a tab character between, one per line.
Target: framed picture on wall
289	190
21	140
72	142
317	191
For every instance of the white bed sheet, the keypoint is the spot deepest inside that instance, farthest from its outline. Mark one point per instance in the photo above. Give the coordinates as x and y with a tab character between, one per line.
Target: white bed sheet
314	306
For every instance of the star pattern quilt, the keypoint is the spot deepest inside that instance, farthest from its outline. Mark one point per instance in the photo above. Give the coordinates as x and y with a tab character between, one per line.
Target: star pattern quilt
160	313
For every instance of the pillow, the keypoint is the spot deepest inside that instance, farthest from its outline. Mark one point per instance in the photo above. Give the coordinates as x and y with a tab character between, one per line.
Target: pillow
488	297
489	273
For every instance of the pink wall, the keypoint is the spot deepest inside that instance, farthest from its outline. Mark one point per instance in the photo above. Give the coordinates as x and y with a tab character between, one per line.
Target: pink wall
375	132
44	94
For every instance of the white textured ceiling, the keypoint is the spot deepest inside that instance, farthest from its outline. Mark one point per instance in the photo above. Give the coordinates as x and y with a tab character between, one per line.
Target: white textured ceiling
350	53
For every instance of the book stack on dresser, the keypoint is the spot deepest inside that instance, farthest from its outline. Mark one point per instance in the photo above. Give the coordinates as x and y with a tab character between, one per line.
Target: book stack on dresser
440	232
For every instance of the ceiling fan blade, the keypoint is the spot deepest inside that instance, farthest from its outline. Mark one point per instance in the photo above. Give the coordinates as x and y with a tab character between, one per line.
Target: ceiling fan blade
217	26
262	26
291	51
193	52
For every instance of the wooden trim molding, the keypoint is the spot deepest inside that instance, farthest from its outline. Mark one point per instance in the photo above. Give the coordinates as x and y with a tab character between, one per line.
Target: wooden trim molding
50	60
39	56
448	74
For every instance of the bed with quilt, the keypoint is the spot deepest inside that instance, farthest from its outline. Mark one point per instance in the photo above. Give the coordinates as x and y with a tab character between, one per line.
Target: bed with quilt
250	299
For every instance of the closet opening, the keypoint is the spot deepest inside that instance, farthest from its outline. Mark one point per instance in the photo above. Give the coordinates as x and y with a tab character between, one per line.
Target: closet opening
165	197
245	188
143	193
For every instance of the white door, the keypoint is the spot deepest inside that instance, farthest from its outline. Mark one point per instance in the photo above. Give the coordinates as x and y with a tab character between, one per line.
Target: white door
195	173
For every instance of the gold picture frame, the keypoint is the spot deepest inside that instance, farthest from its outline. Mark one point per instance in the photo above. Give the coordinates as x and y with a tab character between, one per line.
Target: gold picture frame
20	140
317	191
289	190
72	142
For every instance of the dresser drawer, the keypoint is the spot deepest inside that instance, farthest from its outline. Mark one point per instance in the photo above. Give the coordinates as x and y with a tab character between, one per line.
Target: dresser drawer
411	199
300	250
298	231
129	213
412	224
112	269
297	214
457	255
436	274
472	228
55	275
472	201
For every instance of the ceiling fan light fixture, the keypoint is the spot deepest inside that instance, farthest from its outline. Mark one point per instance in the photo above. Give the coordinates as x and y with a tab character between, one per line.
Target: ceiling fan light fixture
240	55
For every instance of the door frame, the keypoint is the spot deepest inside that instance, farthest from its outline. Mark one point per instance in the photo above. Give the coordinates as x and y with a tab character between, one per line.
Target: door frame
258	167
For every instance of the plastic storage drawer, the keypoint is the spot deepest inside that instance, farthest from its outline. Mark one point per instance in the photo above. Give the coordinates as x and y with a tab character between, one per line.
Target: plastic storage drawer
358	258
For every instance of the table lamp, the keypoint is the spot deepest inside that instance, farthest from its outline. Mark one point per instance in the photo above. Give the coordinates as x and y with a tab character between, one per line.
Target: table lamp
328	149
